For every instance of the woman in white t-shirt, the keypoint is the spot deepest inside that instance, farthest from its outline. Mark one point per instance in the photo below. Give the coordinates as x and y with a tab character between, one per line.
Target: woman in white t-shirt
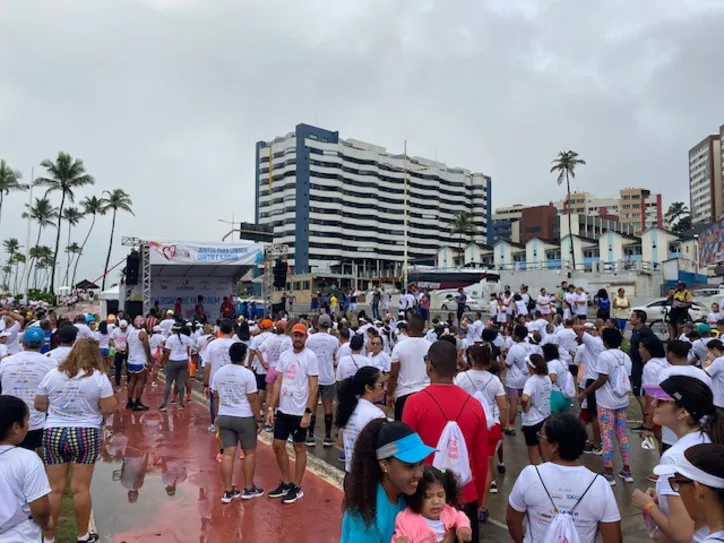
536	403
377	356
699	478
357	396
559	374
715	369
487	388
76	396
561	484
653	355
685	405
177	350
543	304
24	487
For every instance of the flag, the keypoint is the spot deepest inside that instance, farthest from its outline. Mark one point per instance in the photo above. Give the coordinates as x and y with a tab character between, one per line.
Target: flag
271	166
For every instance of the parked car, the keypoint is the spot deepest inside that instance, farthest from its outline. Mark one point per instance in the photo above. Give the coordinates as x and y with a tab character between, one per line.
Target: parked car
446	301
655	310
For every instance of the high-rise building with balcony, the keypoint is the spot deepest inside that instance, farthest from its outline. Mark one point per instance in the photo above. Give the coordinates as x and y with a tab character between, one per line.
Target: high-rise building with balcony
706	192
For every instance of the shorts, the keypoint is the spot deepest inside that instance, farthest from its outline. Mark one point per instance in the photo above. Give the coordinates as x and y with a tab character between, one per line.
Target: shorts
513	392
289	425
559	403
271	376
134	368
678	316
530	434
495	436
637	372
32	441
260	381
71	445
241	430
105	353
591	400
328	392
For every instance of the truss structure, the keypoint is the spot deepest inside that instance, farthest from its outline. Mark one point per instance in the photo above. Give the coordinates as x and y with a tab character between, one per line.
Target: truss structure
272	252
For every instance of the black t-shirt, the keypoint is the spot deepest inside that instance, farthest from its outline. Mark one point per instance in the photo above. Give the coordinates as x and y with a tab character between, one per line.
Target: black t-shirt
637	336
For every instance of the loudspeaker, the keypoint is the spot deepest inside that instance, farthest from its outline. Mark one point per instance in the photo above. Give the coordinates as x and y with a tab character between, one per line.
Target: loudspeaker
133	263
133	309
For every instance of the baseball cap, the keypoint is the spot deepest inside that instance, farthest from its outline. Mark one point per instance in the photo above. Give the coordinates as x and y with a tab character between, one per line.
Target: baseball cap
324	321
684	467
89	319
687	392
589	325
33	337
169	312
299	328
111	318
123	323
267	323
397	440
703	328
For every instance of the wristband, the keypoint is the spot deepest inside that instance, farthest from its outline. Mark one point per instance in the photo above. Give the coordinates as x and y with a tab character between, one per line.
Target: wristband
648	507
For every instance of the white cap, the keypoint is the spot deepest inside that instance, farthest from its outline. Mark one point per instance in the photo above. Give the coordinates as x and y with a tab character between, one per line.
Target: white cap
157	329
5	333
589	325
123	323
690	471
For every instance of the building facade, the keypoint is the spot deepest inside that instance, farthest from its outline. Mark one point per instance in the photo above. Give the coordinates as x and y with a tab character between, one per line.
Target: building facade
635	206
340	205
706	191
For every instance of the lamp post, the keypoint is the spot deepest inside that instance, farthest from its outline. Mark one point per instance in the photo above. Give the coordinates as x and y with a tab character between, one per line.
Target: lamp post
405	260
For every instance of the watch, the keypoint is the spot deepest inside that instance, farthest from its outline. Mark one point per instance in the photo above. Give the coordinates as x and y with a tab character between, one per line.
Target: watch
307	411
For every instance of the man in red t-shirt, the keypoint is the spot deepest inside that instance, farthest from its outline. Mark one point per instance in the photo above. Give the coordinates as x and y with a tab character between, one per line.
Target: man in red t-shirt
428	411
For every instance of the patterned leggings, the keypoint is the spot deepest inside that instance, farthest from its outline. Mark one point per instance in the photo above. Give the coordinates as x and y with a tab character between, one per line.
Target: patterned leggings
613	421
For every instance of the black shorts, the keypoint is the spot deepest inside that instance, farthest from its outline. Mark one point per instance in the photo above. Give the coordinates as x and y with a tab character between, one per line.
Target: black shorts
32	441
637	372
289	425
678	316
400	405
531	434
591	400
260	381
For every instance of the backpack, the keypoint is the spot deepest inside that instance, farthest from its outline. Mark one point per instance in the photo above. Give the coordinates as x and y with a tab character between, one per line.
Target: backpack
478	395
452	451
562	528
620	381
568	388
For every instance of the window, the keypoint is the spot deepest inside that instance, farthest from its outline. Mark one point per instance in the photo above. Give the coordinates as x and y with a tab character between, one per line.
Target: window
305	285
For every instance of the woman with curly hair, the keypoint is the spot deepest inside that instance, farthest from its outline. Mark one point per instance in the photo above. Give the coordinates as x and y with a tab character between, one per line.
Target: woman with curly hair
76	395
386	467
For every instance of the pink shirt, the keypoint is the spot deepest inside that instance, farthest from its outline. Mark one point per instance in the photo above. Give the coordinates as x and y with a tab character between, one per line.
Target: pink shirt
412	526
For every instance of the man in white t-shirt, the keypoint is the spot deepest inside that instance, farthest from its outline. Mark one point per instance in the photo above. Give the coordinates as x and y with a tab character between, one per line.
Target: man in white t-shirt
325	346
256	359
13	326
20	376
67	336
167	323
408	370
295	392
216	357
119	341
24	486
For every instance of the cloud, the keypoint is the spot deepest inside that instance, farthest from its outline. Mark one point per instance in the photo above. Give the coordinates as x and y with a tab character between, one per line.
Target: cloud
166	98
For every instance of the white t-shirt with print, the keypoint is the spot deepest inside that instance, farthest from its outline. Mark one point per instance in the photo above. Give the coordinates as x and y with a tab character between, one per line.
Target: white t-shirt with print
20	375
381	361
271	349
217	354
13	341
652	371
538	388
565	484
59	354
256	342
517	368
716	372
233	383
178	345
410	355
489	385
349	365
296	369
363	414
594	347
120	339
674	455
75	402
325	346
22	481
606	364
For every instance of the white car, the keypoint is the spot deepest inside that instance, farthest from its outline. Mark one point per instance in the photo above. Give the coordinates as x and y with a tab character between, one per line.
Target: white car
655	310
448	302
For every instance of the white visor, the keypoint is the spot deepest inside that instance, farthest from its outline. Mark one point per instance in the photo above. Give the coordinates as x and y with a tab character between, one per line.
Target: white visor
690	471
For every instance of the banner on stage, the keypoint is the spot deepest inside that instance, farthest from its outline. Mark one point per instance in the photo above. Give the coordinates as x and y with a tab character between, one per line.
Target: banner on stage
220	254
165	290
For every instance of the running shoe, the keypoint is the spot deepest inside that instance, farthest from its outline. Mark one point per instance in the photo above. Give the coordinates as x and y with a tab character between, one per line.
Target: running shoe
251	493
653	478
92	538
228	496
140	407
501	467
295	494
483	516
510	431
181	406
129	404
211	428
328	442
280	491
163	408
310	442
610	478
626	476
493	488
341	457
595	451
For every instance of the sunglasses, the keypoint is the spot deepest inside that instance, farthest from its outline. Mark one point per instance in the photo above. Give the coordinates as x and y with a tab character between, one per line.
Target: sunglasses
540	436
676	483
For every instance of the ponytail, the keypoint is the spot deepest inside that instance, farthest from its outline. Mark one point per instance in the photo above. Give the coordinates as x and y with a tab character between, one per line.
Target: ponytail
350	390
714	426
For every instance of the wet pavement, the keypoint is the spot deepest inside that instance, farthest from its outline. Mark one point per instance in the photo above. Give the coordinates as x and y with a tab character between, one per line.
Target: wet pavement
159	481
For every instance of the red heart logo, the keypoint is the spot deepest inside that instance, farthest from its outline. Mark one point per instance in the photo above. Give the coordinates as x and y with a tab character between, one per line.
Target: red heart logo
169	252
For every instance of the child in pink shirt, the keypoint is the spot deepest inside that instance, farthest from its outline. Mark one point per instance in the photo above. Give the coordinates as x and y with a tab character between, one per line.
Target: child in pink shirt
429	516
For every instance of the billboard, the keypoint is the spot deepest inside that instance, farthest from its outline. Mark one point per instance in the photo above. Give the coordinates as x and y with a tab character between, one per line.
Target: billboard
711	245
218	254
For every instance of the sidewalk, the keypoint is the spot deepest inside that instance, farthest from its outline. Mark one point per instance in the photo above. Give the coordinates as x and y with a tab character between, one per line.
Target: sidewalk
158	480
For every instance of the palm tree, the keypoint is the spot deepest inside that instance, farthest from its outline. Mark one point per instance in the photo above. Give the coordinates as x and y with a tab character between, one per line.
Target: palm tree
17	260
565	166
74	251
116	200
462	226
11	246
7	269
9	181
678	217
36	254
72	216
91	206
43	213
65	175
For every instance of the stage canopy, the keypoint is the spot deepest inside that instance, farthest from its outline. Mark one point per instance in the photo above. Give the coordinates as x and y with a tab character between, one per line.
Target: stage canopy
200	259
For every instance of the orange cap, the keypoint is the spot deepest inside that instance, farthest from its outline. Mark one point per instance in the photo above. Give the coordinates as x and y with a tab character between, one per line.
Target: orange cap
267	323
299	328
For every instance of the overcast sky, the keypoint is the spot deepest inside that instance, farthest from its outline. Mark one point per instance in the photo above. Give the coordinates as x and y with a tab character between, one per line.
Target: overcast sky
166	98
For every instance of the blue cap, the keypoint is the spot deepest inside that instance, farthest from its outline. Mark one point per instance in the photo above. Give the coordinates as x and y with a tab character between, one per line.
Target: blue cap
409	449
34	337
89	319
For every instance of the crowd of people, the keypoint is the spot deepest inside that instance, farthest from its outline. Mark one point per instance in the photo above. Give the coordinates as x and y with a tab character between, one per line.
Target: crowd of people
423	410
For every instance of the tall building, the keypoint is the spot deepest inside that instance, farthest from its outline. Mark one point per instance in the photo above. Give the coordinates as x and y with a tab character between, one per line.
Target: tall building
706	192
339	205
502	225
634	206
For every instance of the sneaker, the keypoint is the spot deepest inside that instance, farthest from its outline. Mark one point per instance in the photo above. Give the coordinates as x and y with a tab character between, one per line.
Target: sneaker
92	538
493	488
483	516
129	404
653	478
501	468
211	428
173	401
595	451
295	494
154	384
268	428
638	429
181	407
626	476
328	442
310	442
280	491
341	457
251	493
163	408
610	478
228	496
140	407
510	431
